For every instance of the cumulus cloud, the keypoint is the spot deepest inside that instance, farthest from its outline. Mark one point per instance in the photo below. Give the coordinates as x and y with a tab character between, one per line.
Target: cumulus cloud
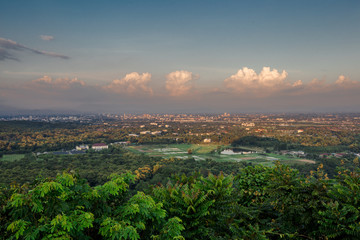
7	45
59	83
46	37
179	83
247	79
271	82
132	83
346	82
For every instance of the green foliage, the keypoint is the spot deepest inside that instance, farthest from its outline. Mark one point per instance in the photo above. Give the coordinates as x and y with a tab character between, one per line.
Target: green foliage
252	213
18	227
112	229
98	166
219	189
51	207
297	200
171	230
187	202
255	141
340	217
258	203
251	184
68	208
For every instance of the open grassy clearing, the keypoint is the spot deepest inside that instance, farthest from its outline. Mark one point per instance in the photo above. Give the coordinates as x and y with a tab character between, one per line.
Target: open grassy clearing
12	157
208	151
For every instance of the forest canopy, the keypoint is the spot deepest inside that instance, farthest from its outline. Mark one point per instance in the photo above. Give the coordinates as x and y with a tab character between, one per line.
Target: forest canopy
257	203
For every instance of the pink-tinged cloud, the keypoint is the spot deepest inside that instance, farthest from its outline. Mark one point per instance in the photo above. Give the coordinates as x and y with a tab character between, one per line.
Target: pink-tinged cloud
47	37
346	82
317	85
342	83
267	81
131	84
271	83
132	92
179	83
59	83
298	83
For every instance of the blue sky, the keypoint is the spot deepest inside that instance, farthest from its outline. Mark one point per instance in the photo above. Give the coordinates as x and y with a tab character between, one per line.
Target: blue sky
191	49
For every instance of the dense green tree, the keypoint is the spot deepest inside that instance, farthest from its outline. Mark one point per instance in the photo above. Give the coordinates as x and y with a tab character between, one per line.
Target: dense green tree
188	203
340	216
258	202
68	208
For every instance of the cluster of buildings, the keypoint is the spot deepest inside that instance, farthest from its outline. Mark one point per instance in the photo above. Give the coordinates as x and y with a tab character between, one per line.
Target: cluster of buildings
95	146
81	149
149	132
293	153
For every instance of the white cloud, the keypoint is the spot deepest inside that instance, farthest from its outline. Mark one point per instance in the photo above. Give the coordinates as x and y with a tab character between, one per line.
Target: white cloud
274	83
132	83
60	83
47	37
247	79
271	78
179	83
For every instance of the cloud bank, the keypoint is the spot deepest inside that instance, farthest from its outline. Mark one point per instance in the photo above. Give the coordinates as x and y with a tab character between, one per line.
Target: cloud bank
179	83
59	83
271	83
245	91
345	82
131	84
7	45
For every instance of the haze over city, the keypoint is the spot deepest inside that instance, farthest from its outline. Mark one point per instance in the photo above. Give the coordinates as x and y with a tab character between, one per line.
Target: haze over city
180	56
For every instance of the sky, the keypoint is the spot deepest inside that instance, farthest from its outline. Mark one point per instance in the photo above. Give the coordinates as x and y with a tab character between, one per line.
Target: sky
180	56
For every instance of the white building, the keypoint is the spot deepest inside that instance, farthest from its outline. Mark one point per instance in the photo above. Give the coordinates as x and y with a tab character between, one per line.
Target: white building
244	124
156	133
145	132
99	146
82	147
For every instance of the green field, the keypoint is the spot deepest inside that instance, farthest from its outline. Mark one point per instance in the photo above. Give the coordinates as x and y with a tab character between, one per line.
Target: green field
12	157
208	151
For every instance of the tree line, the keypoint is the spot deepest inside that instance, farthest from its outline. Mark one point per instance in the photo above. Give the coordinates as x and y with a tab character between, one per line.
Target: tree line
96	166
27	136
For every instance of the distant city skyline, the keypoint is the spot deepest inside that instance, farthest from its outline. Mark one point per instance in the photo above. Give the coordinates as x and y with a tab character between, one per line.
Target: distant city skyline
180	56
